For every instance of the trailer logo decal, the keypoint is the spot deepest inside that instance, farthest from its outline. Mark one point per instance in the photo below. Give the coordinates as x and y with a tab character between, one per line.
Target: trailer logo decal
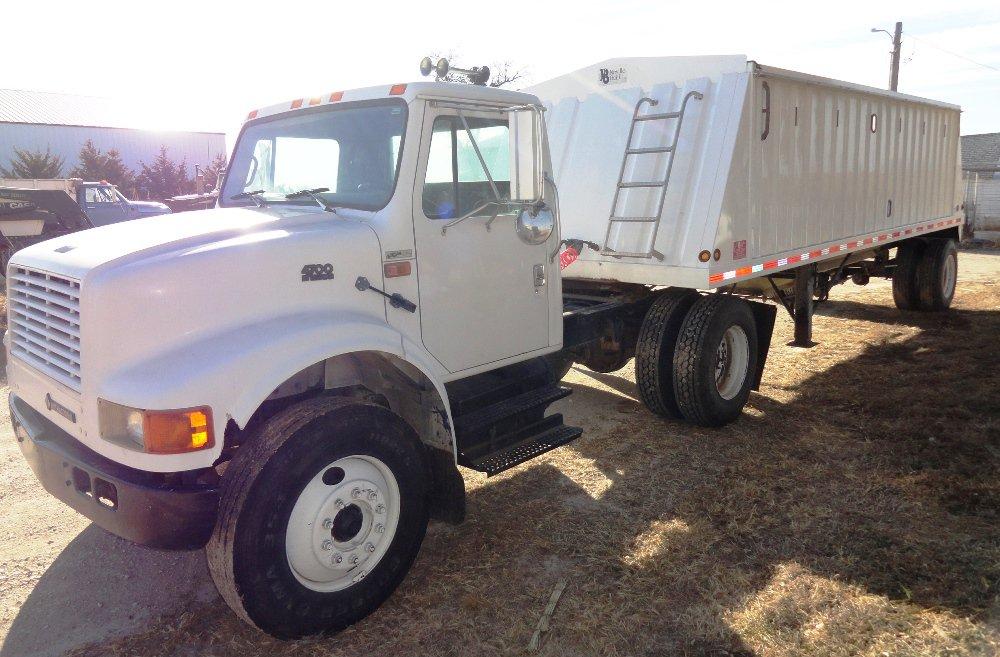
317	272
613	75
862	243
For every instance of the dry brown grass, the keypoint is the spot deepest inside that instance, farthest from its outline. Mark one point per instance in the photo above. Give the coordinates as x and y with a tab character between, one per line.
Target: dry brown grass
853	510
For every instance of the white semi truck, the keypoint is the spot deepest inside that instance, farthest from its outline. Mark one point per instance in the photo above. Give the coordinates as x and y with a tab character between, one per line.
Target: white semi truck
396	278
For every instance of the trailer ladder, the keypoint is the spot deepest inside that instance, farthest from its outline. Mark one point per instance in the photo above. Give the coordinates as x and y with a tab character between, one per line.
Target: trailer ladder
661	184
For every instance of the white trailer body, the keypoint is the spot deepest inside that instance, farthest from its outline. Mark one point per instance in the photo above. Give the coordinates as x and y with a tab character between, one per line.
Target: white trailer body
771	169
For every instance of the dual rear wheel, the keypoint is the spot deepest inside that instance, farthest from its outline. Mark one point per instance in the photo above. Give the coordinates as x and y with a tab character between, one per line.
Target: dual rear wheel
697	357
925	275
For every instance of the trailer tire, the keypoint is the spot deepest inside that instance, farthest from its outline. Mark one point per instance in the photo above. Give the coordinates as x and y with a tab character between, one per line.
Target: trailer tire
715	360
270	555
904	276
654	351
937	273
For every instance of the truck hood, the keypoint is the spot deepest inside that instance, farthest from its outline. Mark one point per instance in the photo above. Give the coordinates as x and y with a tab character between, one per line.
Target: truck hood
75	254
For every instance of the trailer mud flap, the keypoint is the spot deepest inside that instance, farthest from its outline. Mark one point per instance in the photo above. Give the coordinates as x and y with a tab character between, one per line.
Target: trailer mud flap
763	315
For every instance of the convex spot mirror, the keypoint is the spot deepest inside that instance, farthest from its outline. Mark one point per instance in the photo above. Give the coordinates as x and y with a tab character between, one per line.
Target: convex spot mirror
525	155
535	224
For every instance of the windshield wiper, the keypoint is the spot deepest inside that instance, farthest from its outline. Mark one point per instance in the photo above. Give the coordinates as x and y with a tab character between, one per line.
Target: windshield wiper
312	193
256	195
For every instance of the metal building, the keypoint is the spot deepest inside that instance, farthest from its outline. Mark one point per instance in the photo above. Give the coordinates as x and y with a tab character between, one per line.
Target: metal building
61	123
981	169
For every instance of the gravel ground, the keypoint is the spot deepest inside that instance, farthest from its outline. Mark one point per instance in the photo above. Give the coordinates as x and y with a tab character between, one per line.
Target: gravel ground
852	510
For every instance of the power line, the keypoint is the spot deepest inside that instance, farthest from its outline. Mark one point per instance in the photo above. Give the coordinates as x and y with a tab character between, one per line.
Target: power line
953	54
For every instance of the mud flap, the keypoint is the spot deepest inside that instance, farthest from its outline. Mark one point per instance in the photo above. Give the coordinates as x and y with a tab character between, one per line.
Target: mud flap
764	316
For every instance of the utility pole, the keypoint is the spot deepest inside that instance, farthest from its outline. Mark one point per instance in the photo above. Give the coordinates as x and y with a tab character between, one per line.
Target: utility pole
897	44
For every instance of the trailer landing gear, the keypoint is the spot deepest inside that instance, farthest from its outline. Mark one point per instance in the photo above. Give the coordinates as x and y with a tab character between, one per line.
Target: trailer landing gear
805	285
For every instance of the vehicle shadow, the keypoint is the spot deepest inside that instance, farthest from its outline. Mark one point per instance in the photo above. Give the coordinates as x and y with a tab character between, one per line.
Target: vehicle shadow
102	586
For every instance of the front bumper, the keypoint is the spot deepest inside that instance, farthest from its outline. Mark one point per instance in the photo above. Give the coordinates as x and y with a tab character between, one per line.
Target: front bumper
143	507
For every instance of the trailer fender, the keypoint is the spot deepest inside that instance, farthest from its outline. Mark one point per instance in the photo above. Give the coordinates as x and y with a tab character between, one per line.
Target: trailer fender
763	316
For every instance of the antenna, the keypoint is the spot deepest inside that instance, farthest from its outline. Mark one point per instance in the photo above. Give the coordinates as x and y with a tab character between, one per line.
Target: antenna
476	75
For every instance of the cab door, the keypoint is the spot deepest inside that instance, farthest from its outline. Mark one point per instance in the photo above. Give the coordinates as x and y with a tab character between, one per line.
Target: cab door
484	293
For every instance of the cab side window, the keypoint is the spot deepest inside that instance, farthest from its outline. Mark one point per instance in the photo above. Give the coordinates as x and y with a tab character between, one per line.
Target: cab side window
456	183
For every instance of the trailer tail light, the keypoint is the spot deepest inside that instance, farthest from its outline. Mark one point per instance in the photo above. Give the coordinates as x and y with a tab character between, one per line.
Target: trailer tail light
396	269
175	432
397	90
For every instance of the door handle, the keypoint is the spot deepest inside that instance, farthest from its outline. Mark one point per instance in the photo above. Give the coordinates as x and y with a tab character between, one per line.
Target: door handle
538	274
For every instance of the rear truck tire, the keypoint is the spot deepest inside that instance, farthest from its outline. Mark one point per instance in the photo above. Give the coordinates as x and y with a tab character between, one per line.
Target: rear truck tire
654	352
715	360
322	512
904	275
937	273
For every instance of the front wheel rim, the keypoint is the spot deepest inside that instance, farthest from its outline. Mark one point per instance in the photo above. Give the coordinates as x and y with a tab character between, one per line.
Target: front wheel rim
732	358
342	523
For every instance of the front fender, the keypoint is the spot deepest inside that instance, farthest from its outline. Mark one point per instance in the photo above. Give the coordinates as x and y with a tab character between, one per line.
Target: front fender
236	370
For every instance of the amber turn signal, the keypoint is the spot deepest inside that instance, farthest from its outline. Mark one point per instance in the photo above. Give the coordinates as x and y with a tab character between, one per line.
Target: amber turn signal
175	432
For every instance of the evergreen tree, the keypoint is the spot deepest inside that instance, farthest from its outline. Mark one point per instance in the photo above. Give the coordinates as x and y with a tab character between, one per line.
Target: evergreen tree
213	170
95	166
33	164
164	177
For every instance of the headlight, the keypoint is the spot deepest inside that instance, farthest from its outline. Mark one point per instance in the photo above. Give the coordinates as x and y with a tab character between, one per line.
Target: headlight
156	432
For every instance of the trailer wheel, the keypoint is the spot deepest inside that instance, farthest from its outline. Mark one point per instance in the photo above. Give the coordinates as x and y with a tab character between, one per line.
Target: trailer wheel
654	352
904	275
714	360
322	512
937	273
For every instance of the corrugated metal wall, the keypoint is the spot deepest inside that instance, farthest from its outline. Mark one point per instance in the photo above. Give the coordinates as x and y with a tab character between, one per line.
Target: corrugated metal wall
823	174
135	146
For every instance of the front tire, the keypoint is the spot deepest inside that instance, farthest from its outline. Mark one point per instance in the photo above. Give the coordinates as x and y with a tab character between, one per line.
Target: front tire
326	478
715	360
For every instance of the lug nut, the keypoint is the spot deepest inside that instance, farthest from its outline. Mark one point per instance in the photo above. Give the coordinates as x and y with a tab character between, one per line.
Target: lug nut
380	529
327	544
356	493
370	547
372	496
337	558
339	504
328	523
380	508
354	559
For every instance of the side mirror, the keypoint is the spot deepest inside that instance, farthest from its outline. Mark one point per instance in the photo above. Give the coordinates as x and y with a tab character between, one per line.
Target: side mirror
525	155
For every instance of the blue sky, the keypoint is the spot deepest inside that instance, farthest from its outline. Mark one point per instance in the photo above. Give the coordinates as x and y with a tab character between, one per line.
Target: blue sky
203	65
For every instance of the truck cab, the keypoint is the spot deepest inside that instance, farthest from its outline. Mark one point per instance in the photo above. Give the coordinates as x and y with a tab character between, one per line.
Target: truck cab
104	204
370	298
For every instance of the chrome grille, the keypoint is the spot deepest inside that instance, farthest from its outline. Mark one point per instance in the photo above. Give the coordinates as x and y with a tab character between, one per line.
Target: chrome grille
44	315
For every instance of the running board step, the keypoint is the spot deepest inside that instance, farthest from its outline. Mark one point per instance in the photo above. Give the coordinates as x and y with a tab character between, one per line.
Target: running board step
473	425
526	449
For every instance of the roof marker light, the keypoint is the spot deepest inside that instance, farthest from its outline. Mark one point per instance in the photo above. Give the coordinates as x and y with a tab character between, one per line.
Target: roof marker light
336	96
315	101
397	90
297	103
252	115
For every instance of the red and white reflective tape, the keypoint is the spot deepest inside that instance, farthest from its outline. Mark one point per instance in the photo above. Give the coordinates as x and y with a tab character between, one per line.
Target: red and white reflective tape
744	272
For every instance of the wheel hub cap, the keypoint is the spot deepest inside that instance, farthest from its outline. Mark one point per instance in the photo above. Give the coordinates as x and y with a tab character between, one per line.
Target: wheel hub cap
732	360
341	526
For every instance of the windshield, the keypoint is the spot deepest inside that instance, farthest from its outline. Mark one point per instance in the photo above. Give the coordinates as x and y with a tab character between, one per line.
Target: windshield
353	151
